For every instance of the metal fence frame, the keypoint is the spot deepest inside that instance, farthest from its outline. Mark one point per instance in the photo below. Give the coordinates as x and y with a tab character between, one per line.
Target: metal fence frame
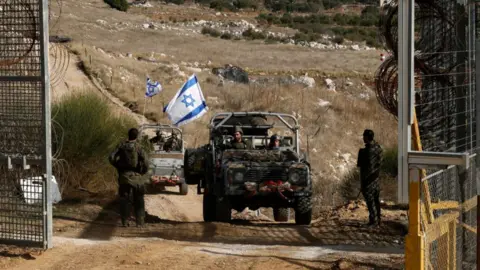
412	161
41	163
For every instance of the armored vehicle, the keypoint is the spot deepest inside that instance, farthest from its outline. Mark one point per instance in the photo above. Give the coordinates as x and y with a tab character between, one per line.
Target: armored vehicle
165	146
257	176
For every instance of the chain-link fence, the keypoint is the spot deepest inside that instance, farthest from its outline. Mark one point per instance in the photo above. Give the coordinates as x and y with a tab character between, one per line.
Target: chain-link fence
24	123
445	100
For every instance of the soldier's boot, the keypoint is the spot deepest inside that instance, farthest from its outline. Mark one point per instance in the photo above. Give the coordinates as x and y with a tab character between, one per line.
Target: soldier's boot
141	221
140	212
124	211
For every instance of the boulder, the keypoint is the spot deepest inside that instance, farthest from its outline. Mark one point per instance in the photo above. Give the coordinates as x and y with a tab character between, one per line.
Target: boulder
232	73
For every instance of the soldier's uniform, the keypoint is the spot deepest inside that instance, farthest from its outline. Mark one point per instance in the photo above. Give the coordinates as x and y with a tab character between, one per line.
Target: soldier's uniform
172	144
238	145
234	144
132	180
159	139
369	162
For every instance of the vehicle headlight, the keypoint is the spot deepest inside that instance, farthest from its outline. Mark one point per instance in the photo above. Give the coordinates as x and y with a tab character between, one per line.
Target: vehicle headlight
238	177
294	177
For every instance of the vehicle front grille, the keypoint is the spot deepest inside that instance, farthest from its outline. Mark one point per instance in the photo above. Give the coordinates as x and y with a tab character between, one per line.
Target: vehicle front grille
162	171
258	174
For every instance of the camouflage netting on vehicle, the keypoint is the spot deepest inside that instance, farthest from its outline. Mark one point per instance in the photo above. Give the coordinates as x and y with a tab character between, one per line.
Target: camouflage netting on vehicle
259	156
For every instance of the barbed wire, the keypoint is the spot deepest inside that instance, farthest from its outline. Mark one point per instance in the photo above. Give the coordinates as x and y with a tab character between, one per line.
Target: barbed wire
18	23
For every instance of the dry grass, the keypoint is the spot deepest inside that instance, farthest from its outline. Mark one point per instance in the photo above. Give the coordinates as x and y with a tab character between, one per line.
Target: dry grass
190	47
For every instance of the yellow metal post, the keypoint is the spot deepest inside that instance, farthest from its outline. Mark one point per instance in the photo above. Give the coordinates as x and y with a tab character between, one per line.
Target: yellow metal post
414	242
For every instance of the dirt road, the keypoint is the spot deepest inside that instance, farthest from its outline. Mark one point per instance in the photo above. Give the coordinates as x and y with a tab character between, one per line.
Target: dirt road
86	236
136	253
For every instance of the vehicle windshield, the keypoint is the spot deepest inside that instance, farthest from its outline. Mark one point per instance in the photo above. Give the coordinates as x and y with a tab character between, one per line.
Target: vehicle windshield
257	130
161	139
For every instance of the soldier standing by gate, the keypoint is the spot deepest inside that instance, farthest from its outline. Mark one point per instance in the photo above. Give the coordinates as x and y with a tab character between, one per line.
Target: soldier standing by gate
370	161
132	163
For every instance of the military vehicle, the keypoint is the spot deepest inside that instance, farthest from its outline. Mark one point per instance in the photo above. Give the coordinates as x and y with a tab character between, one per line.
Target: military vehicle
257	176
165	146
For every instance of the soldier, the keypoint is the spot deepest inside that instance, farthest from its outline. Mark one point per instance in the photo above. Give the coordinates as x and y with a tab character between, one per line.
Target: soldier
132	164
274	142
238	142
173	143
159	138
369	161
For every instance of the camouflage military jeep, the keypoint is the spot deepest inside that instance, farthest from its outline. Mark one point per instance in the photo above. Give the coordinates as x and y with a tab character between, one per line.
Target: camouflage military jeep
258	176
165	149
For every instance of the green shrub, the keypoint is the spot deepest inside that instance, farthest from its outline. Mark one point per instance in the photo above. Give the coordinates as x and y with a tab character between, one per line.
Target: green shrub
211	32
84	133
252	34
121	5
226	35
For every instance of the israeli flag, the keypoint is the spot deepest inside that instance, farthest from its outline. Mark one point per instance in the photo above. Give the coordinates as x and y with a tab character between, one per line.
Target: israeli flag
188	103
153	88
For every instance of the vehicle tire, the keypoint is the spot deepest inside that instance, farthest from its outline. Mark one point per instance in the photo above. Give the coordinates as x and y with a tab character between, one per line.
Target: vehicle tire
209	203
303	211
223	210
183	188
281	214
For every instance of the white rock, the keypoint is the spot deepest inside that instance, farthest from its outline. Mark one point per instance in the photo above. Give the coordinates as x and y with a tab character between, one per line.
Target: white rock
181	74
330	85
349	83
146	25
346	157
194	70
213	99
355	47
307	81
323	103
364	96
342	169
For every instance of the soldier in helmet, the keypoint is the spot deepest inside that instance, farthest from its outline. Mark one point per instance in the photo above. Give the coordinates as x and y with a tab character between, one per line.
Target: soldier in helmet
132	163
274	142
238	142
369	161
173	143
159	138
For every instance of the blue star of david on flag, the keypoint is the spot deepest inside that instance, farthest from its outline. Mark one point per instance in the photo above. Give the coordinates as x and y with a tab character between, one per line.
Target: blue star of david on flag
188	100
153	88
188	103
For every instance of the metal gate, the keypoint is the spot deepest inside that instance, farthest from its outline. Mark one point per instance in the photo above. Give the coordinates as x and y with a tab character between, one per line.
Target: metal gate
438	139
25	148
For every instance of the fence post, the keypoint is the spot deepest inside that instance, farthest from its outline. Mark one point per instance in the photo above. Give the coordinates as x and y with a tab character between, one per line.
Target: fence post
414	247
477	137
